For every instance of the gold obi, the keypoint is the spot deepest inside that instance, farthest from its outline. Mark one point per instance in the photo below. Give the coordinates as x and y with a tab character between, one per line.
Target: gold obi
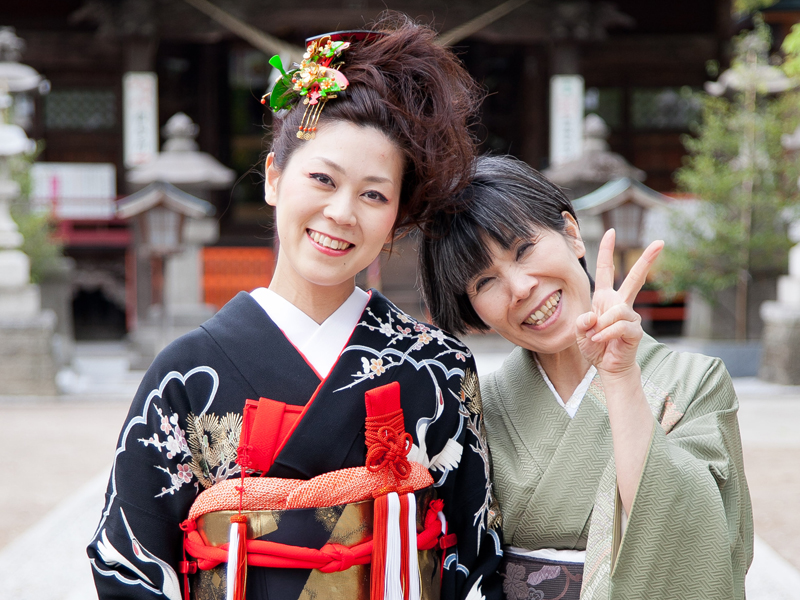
347	524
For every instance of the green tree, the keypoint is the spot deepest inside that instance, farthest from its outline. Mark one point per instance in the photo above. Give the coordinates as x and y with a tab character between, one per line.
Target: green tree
744	181
43	250
791	48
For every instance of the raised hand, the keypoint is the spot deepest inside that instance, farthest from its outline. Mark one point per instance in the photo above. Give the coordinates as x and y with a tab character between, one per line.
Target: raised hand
609	335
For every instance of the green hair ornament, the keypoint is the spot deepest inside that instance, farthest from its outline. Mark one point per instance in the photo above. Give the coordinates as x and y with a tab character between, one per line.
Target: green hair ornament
316	80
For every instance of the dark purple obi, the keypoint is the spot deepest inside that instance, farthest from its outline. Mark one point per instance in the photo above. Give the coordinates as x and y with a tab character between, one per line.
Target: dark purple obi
528	578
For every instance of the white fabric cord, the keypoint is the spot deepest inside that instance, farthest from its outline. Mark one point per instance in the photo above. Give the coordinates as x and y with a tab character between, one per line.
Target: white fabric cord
233	550
392	588
414	585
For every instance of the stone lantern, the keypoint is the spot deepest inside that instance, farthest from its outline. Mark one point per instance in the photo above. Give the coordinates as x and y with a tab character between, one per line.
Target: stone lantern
26	332
16	76
181	163
169	228
621	204
18	79
172	224
596	165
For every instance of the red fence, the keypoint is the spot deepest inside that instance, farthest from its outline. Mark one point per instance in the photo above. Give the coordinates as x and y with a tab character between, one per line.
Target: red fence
650	305
227	271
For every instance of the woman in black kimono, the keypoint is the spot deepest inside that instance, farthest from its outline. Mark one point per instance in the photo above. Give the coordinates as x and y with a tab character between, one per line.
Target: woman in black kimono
388	150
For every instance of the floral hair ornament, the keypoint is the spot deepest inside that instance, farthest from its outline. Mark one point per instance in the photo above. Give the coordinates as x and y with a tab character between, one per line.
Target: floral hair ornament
315	80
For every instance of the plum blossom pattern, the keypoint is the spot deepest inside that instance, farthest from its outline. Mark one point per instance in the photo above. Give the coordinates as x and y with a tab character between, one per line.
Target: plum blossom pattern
372	368
173	446
176	439
184	473
399	327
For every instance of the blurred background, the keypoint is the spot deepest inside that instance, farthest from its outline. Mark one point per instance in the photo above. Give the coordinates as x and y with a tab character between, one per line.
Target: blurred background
131	207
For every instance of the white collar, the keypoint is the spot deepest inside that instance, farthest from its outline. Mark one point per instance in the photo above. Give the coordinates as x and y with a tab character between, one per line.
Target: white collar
571	405
320	344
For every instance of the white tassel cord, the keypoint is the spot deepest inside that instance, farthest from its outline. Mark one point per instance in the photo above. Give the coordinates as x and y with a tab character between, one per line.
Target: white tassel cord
233	550
393	589
415	588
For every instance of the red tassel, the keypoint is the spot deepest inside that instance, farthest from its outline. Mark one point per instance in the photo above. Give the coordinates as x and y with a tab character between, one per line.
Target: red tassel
378	569
237	558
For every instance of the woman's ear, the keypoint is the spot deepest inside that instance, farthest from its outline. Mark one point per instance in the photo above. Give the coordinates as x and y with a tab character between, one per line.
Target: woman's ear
573	234
271	176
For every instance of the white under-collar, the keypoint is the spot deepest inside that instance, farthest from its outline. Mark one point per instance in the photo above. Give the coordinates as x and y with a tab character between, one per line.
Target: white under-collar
571	405
320	344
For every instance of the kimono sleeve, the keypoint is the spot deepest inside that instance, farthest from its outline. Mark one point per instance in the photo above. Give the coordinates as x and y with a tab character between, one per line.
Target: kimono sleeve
470	567
137	548
690	528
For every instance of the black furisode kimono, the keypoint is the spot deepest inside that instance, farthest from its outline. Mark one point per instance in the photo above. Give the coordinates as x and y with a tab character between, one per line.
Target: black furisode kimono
182	433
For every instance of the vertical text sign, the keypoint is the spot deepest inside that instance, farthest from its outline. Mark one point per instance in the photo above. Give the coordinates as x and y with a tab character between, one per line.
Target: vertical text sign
140	110
566	118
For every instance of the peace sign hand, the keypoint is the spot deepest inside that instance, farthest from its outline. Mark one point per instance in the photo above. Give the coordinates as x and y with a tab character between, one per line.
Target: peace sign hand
609	335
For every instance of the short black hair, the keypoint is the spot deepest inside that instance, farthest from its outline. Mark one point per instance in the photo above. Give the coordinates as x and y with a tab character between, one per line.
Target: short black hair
505	201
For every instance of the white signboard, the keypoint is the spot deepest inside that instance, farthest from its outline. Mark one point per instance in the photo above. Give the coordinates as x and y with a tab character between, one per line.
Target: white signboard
74	190
566	118
140	113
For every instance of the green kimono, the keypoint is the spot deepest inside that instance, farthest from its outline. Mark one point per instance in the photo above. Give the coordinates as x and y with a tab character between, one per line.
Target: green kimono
690	531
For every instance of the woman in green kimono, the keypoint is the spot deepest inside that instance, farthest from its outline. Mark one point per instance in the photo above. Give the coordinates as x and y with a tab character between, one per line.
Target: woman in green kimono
617	462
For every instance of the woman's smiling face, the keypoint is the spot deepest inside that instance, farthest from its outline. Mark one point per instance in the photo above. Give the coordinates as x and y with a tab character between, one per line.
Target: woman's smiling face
534	291
336	203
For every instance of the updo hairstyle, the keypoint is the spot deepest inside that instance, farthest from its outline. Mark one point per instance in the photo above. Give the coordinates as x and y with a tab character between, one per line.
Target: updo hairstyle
417	93
506	201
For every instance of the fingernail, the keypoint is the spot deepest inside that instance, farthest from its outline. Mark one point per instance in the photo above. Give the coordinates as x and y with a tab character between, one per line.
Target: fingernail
596	338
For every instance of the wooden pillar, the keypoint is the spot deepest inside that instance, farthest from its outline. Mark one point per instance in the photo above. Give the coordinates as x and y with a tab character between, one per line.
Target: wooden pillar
208	96
535	99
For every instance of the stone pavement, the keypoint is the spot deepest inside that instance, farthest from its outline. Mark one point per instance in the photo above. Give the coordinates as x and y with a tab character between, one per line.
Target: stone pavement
59	451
